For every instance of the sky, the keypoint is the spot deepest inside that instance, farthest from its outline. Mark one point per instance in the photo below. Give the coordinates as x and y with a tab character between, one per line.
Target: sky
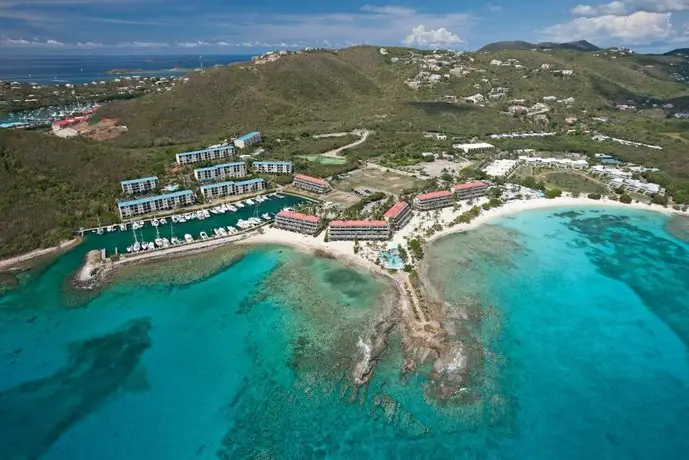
247	27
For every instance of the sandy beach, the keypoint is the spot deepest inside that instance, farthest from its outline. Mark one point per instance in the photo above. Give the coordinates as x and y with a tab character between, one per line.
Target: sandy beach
422	221
21	260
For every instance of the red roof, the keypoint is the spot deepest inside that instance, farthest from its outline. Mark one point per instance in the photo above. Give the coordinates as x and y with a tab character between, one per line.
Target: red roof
396	209
358	223
428	196
310	179
469	185
298	216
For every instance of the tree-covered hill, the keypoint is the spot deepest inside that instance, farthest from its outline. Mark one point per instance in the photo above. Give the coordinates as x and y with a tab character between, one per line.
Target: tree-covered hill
52	186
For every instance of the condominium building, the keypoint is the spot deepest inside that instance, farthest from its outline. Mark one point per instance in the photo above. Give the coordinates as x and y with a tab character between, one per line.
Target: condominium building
143	185
398	215
222	189
297	222
358	230
470	190
434	200
214	152
247	140
156	203
272	167
221	172
312	184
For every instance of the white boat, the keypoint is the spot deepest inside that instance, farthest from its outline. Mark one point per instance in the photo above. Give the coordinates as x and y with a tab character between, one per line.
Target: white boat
205	213
201	216
216	232
181	219
159	242
136	247
215	211
231	208
135	225
250	202
203	235
239	204
166	243
155	222
188	238
163	221
142	224
231	230
110	228
266	216
123	227
175	241
222	231
190	216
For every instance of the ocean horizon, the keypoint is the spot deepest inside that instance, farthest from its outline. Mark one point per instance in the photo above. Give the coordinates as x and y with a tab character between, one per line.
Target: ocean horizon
580	314
77	69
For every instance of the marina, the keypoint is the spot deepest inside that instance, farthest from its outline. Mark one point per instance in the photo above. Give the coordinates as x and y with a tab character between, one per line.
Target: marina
182	228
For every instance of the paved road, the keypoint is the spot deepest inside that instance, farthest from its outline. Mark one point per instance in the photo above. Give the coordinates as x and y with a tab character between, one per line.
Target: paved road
363	135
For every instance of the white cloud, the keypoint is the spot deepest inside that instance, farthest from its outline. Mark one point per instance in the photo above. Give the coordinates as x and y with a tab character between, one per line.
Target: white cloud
142	45
197	44
625	7
637	28
616	8
441	37
383	25
23	43
494	8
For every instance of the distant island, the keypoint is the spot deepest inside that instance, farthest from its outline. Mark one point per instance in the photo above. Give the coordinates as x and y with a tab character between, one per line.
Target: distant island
142	71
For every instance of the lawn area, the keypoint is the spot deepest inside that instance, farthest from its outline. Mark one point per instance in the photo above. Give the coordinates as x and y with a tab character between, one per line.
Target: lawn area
377	179
572	182
323	160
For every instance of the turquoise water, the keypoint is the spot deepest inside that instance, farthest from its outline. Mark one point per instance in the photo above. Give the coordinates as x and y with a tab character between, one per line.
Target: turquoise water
582	315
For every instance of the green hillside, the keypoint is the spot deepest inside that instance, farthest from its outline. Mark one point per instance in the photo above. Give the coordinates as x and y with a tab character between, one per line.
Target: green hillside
52	186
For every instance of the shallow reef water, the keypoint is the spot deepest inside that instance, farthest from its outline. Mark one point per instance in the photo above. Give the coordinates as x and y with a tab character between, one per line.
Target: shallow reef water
582	316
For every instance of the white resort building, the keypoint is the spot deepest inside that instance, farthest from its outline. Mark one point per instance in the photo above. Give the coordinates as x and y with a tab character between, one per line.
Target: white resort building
475	147
214	152
156	203
565	163
247	140
297	222
272	167
501	168
470	190
398	215
222	189
220	172
312	184
358	230
143	185
434	200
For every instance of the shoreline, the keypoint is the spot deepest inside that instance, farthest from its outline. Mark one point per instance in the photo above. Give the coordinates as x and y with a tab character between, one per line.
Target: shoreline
518	206
21	260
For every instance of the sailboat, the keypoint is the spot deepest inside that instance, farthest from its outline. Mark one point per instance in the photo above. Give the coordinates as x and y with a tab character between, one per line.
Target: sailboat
100	229
158	240
136	247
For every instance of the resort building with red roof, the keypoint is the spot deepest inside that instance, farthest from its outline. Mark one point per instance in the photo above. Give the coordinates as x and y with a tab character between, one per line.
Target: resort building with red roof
470	190
311	184
398	215
358	230
434	200
297	222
